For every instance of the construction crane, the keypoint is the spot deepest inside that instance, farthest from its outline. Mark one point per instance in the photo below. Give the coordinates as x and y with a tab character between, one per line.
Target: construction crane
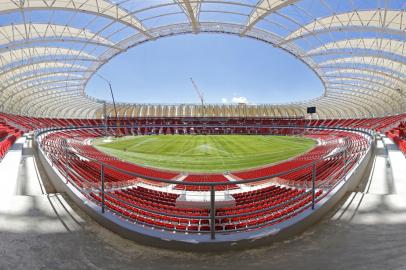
114	105
200	94
111	92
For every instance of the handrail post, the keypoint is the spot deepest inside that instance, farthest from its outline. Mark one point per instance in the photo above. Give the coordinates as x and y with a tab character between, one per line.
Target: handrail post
102	185
344	163
212	213
313	183
65	172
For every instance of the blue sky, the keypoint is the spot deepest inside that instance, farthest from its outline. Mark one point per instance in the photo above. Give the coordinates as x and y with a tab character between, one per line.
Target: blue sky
225	68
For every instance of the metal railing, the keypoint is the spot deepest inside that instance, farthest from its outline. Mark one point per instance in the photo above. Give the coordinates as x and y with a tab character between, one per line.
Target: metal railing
310	188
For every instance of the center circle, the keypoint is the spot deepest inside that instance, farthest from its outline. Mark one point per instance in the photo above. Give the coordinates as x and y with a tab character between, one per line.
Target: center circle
204	153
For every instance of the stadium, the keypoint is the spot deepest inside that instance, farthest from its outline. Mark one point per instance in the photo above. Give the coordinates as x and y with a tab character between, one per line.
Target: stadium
89	181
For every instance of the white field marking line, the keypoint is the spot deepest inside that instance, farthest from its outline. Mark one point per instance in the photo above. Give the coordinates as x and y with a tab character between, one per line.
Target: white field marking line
206	146
134	145
247	162
299	145
162	156
223	142
283	138
183	145
223	159
166	160
188	150
234	155
213	147
142	142
185	142
264	154
146	155
219	150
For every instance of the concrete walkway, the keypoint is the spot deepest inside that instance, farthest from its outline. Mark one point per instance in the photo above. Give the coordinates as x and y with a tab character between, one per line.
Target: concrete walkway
366	231
9	168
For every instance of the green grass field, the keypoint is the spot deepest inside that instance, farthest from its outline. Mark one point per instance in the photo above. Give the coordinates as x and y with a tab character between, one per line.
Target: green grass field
215	153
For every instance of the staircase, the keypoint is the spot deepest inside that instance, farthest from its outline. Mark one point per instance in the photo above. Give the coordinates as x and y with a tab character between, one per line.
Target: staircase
28	202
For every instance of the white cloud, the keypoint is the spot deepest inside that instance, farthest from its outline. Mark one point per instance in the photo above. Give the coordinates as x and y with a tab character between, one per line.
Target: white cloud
224	100
239	100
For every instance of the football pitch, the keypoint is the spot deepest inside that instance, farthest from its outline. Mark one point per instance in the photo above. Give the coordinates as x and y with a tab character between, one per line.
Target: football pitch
200	153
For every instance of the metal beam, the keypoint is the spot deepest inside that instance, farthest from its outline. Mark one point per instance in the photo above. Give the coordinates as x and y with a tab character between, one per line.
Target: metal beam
263	9
192	11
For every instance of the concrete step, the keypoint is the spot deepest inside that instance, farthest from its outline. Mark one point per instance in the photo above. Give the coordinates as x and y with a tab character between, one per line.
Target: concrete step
38	214
32	179
396	166
381	180
9	168
372	209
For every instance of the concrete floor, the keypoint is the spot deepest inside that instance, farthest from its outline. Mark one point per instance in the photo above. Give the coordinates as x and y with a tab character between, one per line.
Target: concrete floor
41	230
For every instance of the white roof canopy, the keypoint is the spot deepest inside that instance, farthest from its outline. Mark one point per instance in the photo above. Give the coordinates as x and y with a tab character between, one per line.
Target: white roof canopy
49	49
